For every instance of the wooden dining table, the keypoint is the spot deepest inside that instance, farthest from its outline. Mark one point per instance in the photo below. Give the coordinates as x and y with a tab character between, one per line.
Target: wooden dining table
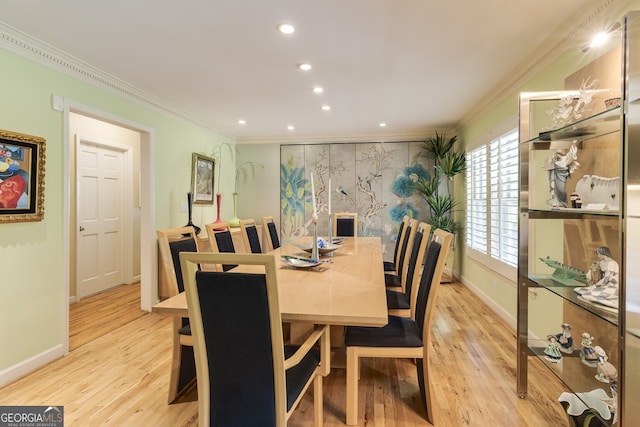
347	289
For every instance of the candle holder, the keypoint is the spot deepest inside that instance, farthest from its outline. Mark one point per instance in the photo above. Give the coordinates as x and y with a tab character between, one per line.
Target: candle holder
315	255
190	207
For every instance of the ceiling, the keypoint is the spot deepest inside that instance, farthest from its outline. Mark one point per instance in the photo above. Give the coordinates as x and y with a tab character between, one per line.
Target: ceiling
416	65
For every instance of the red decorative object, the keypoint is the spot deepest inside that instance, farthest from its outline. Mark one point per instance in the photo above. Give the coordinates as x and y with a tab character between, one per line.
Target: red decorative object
218	220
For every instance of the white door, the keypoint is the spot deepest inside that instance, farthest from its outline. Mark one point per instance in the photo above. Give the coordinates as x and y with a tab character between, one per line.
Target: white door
100	202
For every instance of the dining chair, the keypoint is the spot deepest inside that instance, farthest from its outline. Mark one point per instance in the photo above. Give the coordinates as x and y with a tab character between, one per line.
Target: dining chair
396	279
250	236
402	303
401	337
221	241
392	266
246	375
271	231
345	224
171	242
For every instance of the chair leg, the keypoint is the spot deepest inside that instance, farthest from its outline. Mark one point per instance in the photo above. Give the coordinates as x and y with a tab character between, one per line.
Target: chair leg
318	406
183	370
176	355
425	387
353	369
325	355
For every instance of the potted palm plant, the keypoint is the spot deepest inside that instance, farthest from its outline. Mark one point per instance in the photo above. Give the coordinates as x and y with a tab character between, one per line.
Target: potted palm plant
437	189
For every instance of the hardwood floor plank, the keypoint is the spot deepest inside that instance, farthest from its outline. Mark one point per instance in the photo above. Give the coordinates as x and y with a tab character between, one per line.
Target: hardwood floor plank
99	314
121	378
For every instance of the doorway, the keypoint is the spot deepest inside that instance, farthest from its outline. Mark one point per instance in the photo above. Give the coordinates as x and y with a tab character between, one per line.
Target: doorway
140	251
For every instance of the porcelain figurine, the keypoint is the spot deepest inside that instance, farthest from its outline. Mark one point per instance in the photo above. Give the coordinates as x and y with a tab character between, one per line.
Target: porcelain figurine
607	373
565	340
588	356
560	166
605	289
552	352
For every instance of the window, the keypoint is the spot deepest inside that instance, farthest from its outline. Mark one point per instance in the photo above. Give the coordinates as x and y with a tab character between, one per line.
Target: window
477	199
492	203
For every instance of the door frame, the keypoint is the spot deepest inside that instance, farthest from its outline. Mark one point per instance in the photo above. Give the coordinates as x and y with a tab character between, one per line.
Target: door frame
148	244
127	208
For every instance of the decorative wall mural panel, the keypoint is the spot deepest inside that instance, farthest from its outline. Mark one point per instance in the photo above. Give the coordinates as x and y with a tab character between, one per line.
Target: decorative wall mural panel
370	161
397	158
317	162
343	177
294	195
373	179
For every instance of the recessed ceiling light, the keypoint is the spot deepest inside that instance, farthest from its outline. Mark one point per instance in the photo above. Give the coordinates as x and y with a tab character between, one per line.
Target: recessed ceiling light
318	89
598	39
304	66
286	28
290	127
242	121
383	124
326	108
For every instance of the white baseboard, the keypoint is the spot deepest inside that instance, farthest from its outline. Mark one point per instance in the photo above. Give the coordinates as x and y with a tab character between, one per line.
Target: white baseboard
25	367
73	299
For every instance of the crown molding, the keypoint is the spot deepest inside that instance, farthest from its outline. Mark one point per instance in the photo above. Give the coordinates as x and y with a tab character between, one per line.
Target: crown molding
27	46
323	139
555	45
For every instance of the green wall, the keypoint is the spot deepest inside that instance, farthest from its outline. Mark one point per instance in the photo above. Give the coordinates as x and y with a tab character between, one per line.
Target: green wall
34	256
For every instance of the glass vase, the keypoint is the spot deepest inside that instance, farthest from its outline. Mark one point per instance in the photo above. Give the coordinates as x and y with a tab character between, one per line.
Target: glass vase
218	219
235	221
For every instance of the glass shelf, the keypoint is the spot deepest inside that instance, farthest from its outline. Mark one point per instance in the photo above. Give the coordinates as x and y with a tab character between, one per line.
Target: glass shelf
570	213
576	375
564	288
595	126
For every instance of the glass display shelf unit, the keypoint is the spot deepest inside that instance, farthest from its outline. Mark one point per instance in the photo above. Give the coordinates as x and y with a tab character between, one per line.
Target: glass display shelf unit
595	161
598	125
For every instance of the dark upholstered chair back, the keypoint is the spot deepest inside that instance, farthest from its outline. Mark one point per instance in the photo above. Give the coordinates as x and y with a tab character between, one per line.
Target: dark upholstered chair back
240	358
399	238
254	241
424	290
250	236
345	224
273	235
225	244
413	261
186	245
269	225
403	248
345	227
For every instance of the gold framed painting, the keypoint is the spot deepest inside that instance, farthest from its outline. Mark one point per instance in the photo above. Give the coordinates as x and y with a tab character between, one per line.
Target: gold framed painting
202	176
22	167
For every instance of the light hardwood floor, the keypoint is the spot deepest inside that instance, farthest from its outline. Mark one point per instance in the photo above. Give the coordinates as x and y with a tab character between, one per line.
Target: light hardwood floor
121	378
100	314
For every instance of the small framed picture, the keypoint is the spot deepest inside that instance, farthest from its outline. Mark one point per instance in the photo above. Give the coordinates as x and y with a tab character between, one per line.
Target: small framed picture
22	166
202	175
